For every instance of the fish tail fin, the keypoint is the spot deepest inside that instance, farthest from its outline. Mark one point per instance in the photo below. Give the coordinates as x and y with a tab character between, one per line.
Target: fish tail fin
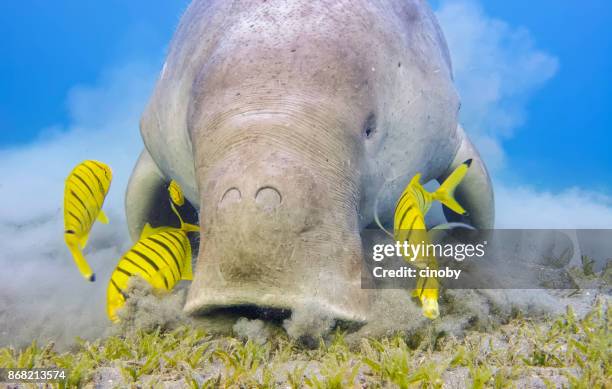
427	293
102	218
446	191
81	263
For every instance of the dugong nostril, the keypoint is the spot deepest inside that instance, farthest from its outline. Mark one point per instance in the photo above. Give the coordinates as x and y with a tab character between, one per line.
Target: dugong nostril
267	198
231	196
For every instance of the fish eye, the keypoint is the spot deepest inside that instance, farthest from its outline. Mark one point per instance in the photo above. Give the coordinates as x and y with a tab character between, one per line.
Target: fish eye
369	127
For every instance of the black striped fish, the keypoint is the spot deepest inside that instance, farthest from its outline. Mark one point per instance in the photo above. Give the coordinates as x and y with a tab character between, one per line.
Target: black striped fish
162	257
409	226
84	193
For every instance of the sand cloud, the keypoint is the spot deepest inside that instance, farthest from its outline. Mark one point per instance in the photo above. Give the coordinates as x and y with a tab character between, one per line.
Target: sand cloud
573	208
41	293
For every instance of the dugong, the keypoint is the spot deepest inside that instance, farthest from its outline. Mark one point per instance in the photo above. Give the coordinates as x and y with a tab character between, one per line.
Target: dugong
282	120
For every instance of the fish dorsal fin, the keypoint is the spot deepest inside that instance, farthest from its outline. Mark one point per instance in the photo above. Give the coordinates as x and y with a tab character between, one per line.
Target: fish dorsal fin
446	192
416	181
148	231
102	218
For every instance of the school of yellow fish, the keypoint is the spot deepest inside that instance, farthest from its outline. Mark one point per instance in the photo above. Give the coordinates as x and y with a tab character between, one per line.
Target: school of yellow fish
162	255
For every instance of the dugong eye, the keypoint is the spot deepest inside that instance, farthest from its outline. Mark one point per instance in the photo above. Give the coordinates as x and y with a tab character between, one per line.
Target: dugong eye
369	127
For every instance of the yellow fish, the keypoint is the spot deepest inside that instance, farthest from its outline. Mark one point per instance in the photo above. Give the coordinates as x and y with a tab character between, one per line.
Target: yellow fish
84	194
162	257
409	226
176	193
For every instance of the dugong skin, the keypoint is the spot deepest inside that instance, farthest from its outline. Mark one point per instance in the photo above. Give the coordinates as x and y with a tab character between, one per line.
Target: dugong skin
364	86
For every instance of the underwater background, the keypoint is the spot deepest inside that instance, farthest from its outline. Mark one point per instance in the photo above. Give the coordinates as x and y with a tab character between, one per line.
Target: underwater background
535	97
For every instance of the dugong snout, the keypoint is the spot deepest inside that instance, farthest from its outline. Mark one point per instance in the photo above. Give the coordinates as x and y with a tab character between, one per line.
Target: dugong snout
272	238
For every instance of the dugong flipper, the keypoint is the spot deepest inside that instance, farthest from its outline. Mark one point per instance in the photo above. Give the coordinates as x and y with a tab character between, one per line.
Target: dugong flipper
144	192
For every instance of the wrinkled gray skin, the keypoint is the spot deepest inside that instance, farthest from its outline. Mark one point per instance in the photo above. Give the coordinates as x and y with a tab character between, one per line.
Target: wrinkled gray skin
282	120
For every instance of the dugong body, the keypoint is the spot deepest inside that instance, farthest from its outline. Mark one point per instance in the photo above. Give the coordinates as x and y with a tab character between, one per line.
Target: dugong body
282	121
